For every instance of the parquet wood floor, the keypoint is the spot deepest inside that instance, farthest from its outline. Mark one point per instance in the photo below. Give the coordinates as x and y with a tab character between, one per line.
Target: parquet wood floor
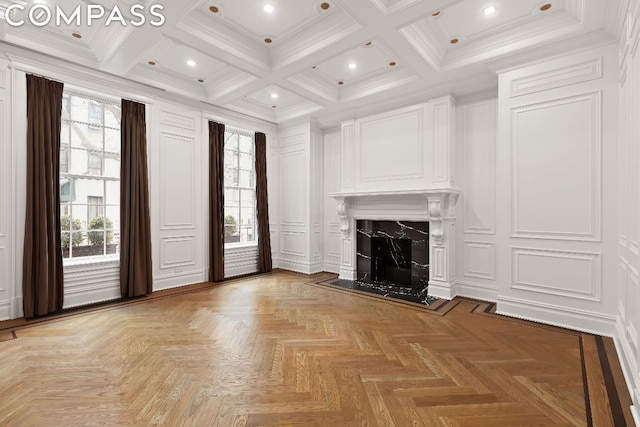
276	350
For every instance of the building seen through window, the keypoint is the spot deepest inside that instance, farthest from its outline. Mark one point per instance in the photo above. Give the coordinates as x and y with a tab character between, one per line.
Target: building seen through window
89	176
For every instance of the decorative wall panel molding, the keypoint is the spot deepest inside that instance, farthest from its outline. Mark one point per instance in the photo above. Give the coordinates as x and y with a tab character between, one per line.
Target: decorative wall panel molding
409	149
382	156
177	190
293	138
348	155
623	274
480	260
293	243
438	264
440	124
569	274
179	121
4	269
548	202
558	78
294	187
479	152
333	245
5	171
177	251
563	316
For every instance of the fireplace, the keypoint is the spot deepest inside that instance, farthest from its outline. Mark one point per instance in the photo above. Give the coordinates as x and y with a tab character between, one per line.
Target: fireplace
426	217
393	254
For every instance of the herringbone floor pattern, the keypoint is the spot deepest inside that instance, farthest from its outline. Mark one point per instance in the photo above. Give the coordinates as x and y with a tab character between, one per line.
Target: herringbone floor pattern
275	350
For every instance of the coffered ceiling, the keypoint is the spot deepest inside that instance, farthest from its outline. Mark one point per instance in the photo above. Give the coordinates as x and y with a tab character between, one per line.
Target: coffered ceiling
281	60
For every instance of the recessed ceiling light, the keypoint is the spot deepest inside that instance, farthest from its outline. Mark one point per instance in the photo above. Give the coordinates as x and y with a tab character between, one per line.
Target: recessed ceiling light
353	66
268	8
268	40
274	96
77	35
152	63
545	7
273	106
325	6
201	80
392	64
214	9
435	13
454	41
490	11
191	63
340	82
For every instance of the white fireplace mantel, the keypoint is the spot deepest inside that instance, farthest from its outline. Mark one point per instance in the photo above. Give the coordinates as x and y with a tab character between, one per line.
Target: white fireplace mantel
440	206
436	206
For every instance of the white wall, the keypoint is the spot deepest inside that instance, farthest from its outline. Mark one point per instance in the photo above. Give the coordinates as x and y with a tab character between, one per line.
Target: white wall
300	229
406	149
178	166
476	240
178	170
628	238
556	197
6	180
332	179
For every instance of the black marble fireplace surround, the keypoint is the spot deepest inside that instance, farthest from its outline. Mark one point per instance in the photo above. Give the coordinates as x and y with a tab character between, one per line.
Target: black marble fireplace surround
393	260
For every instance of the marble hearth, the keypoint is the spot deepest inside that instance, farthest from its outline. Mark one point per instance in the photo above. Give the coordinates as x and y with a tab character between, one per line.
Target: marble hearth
436	209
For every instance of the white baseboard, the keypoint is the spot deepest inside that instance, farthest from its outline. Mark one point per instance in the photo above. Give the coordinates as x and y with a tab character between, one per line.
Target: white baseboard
331	268
626	357
300	267
441	290
5	310
162	283
579	320
476	291
17	310
347	274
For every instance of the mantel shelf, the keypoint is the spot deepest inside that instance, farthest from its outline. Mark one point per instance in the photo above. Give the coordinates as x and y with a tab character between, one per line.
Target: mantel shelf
425	192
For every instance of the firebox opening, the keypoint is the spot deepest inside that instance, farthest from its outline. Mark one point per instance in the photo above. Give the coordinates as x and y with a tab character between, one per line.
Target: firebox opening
391	260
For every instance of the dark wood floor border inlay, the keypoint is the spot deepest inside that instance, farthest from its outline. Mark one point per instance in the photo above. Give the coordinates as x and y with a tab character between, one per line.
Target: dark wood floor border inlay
587	401
443	307
612	391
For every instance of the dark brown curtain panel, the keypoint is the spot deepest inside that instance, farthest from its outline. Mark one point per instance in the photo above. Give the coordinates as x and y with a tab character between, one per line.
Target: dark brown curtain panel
216	201
43	277
135	228
262	202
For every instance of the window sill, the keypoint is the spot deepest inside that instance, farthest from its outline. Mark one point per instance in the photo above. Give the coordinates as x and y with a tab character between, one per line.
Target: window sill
240	246
100	261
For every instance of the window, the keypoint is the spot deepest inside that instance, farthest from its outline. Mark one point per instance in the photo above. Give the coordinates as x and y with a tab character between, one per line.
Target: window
239	188
89	176
95	207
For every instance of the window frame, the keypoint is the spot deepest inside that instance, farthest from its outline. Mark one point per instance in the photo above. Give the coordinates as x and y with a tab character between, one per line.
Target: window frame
68	205
240	189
